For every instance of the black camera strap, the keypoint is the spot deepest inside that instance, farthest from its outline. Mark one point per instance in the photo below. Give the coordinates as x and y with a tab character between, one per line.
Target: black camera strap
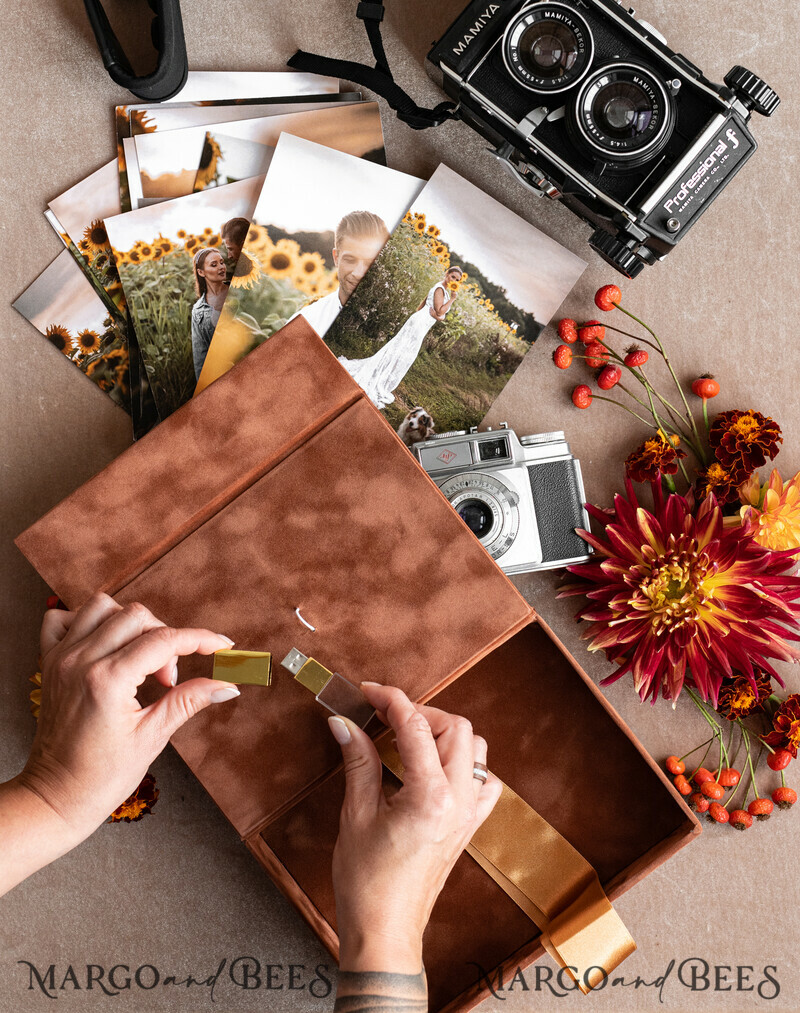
378	78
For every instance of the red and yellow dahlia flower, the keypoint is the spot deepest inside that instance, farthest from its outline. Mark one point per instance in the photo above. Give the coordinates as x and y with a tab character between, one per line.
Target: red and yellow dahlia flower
676	596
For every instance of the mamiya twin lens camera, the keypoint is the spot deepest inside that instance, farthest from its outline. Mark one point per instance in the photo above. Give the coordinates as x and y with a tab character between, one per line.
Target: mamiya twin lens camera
585	103
523	498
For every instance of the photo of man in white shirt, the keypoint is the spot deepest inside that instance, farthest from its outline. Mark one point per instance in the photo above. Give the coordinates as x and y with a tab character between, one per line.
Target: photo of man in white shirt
360	236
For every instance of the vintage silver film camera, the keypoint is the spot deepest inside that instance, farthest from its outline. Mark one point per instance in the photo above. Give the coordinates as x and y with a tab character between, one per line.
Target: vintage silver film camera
523	498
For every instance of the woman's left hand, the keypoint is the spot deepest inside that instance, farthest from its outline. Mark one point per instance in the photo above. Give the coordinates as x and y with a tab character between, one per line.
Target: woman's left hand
94	741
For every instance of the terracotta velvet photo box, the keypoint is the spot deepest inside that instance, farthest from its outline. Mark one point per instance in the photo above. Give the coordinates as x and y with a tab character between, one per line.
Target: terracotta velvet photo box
280	487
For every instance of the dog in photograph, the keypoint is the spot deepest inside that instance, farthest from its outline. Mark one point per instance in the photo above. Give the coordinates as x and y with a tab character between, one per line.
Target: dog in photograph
415	427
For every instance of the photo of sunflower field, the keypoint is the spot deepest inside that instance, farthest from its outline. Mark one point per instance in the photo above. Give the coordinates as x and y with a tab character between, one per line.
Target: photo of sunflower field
514	278
64	307
153	249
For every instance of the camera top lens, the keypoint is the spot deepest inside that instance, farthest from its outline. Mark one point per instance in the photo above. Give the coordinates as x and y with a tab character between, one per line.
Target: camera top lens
623	113
547	47
477	516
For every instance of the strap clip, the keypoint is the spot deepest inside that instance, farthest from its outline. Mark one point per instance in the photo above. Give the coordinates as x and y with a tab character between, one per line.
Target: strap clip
370	11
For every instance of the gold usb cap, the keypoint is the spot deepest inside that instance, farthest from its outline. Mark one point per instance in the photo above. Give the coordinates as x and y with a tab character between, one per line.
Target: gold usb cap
334	692
251	668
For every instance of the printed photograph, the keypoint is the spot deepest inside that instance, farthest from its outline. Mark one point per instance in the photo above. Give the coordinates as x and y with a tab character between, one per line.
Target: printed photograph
177	161
77	215
321	219
450	307
214	88
63	306
176	261
172	155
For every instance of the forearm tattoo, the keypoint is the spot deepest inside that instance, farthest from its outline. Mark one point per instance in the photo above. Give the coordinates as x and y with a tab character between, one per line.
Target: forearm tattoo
381	992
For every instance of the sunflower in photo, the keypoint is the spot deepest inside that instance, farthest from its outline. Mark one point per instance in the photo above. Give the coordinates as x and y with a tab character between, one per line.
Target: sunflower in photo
96	237
209	162
134	257
192	244
214	239
256	235
140	121
433	231
419	225
88	341
61	338
158	253
282	260
146	251
311	267
83	246
246	273
181	233
166	245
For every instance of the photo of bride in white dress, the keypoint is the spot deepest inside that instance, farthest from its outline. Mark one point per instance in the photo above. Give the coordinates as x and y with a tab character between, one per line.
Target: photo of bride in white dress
381	374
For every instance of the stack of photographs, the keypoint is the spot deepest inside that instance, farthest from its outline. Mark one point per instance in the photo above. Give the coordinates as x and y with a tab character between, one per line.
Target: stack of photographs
251	199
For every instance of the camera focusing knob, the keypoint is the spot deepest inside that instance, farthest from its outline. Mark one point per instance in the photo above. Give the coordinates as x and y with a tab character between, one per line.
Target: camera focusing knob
616	253
755	93
446	436
652	31
537	438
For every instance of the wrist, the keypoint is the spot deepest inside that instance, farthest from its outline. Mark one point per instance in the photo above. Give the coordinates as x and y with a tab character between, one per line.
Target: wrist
362	949
51	807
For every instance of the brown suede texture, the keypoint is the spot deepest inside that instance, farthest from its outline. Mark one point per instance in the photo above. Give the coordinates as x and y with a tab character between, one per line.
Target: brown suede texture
281	487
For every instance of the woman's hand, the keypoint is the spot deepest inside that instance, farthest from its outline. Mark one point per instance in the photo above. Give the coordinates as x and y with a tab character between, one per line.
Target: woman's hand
94	741
394	854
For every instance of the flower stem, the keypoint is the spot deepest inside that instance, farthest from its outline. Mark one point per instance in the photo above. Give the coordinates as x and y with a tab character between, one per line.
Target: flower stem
666	358
630	411
706	743
705	415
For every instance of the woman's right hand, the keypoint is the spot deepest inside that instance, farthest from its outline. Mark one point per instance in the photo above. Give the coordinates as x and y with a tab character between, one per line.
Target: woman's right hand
394	854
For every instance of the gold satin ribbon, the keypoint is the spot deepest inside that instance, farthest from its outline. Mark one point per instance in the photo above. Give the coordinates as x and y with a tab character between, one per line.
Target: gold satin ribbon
550	881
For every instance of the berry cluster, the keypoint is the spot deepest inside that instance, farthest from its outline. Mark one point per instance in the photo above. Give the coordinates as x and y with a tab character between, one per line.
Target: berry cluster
705	789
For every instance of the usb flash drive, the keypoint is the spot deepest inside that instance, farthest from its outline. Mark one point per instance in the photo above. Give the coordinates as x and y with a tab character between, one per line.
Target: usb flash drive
333	691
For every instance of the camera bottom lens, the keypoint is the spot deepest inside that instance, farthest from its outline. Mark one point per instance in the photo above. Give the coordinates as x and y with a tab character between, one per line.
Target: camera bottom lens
623	114
477	516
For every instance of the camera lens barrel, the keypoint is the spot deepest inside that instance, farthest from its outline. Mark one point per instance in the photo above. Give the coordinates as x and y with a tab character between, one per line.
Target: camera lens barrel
547	47
622	113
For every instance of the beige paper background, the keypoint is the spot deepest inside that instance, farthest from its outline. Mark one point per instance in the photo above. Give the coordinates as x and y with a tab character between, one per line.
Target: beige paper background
179	890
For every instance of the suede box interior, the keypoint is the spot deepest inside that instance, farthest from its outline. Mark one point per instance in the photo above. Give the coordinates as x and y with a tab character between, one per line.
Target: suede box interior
280	487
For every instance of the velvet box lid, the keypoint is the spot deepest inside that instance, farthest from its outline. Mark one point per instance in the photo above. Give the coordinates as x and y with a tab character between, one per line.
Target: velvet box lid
279	488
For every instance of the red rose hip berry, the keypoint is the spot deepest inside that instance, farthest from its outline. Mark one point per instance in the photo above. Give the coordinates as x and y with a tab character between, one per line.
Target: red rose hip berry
675	765
609	377
701	775
729	777
784	798
607	297
568	330
761	808
596	355
699	802
718	813
683	785
712	789
705	387
740	819
636	357
591	331
779	760
562	356
582	396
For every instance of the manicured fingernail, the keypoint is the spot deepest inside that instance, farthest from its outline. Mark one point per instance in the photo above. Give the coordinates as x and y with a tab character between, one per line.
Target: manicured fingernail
228	693
173	679
366	683
223	637
340	730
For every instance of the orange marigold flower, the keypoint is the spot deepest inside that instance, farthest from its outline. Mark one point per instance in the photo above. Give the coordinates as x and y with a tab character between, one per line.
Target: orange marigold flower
786	725
36	694
139	804
742	441
742	695
655	457
719	481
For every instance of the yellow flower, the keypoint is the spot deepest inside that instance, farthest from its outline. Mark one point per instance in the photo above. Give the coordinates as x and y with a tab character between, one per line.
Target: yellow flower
181	233
139	804
774	510
95	236
61	338
145	251
310	268
282	260
419	225
209	161
453	285
191	244
88	341
214	239
246	273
